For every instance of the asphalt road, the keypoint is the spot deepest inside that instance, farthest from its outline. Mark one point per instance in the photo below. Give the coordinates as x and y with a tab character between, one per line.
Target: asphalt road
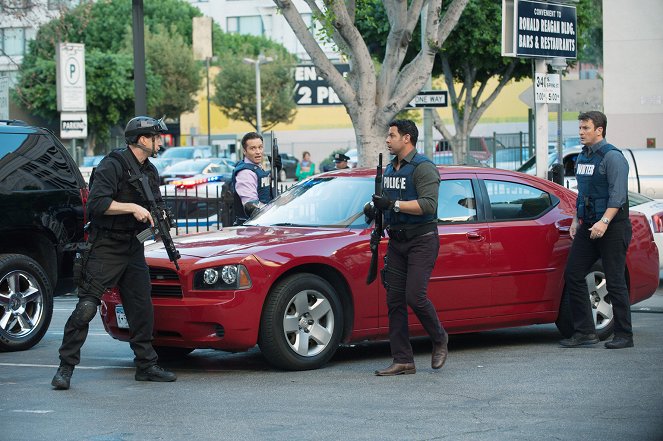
515	384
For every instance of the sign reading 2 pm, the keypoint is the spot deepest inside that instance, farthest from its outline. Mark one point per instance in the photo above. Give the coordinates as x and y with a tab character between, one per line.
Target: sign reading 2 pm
313	90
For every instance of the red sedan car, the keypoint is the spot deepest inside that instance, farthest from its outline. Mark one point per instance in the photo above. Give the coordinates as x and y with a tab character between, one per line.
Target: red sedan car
292	280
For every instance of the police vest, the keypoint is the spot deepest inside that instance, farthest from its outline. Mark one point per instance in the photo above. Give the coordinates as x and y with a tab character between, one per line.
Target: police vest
264	188
127	193
593	188
399	185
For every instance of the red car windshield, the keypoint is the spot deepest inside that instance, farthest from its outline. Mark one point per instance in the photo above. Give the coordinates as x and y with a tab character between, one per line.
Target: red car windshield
319	202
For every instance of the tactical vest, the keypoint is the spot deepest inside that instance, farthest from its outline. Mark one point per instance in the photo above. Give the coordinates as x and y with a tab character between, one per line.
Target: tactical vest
399	185
264	188
593	188
126	223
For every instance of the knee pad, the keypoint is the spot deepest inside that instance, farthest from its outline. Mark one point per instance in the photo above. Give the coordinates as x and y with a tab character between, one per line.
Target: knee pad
84	313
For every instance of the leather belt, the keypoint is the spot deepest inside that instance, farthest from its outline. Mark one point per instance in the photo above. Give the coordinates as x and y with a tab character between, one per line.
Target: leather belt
403	235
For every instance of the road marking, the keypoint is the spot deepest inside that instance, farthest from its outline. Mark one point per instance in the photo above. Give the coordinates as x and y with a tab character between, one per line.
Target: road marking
93	368
31	411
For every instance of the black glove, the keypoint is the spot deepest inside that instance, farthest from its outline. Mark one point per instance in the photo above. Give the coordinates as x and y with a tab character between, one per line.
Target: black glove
250	207
383	202
278	164
369	212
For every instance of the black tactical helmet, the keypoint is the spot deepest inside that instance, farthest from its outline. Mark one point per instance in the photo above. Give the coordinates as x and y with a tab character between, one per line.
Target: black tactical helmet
143	125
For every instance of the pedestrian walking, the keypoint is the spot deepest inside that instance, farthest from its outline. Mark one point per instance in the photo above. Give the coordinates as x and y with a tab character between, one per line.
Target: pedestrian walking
601	229
118	211
409	203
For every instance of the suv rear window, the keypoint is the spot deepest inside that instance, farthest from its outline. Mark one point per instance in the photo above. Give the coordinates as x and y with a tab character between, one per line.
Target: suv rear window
35	163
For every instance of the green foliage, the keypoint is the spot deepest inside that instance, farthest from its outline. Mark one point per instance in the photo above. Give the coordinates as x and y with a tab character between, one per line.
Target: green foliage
105	27
590	31
235	85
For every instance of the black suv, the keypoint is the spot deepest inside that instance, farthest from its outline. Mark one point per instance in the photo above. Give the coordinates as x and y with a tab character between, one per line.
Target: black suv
42	200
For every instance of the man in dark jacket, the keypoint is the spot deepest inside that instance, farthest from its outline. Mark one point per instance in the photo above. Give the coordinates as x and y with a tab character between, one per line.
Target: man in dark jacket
118	211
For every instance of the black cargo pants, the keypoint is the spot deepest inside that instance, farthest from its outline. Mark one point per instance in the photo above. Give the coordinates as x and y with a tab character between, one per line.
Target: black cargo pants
114	262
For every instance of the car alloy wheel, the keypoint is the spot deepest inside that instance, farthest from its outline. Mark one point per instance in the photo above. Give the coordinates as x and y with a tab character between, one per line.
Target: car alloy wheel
302	323
26	302
601	307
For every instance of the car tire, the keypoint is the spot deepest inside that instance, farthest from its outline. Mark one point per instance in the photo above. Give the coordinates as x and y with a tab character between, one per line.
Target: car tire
172	352
302	322
601	307
26	302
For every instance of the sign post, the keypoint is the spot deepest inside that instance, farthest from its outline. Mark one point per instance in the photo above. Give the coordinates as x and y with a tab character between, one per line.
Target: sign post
542	31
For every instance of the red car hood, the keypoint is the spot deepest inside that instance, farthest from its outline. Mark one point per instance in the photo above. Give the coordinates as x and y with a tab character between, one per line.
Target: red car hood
243	240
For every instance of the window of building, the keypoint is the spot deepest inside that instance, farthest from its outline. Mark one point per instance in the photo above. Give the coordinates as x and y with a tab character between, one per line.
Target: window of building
14	41
247	25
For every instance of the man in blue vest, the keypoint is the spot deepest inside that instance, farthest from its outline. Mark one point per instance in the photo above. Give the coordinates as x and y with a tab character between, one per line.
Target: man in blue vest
409	203
251	184
601	229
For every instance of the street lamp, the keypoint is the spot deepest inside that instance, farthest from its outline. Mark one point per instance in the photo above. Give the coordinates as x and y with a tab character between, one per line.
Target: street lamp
261	60
209	133
558	64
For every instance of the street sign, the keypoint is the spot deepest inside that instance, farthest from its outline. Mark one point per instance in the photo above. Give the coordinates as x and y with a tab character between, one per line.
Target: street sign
546	88
70	77
73	125
538	29
429	99
313	90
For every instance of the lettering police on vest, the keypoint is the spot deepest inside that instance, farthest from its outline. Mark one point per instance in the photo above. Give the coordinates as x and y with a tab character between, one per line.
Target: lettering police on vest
394	182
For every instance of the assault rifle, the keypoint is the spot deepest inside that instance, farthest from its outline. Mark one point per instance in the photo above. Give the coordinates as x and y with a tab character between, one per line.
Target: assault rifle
378	230
274	172
162	222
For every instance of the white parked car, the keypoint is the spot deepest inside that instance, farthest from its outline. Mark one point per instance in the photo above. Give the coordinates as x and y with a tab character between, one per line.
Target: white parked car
653	209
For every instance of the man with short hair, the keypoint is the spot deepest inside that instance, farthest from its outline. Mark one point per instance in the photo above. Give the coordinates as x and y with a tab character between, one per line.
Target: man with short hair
601	229
251	184
409	202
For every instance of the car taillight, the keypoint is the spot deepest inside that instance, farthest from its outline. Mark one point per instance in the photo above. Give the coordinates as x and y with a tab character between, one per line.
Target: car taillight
657	222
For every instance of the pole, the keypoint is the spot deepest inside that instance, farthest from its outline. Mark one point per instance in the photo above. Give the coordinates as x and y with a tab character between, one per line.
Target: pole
140	87
209	132
258	98
541	118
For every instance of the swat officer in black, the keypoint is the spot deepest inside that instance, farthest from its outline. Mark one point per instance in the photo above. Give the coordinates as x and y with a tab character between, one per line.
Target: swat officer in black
409	203
117	212
600	229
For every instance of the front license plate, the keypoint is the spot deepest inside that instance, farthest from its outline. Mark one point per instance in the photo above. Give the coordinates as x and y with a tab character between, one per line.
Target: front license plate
121	317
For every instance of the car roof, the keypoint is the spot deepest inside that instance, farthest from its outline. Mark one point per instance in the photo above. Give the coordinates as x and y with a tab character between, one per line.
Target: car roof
25	129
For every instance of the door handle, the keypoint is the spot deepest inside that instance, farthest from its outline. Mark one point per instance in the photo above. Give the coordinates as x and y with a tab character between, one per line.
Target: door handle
563	229
473	235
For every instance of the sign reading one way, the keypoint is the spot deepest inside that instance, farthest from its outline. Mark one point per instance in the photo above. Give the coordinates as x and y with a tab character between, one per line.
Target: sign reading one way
428	99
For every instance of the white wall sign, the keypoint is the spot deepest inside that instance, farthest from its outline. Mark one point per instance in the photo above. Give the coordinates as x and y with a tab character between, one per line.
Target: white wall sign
73	125
70	77
546	88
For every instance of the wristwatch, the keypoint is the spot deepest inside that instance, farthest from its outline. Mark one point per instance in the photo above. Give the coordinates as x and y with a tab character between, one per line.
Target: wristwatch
397	206
605	220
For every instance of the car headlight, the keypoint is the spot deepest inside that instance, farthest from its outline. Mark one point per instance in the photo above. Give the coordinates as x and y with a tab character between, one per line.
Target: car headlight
222	277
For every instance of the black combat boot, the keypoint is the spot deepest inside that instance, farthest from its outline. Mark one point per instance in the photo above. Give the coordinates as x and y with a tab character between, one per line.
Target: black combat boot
62	377
155	373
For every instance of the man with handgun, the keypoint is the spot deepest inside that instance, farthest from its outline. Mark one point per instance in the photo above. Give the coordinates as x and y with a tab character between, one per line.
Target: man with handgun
408	201
253	186
119	210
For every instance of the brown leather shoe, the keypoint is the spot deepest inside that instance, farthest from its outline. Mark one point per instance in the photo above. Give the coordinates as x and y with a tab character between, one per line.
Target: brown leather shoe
397	369
439	357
